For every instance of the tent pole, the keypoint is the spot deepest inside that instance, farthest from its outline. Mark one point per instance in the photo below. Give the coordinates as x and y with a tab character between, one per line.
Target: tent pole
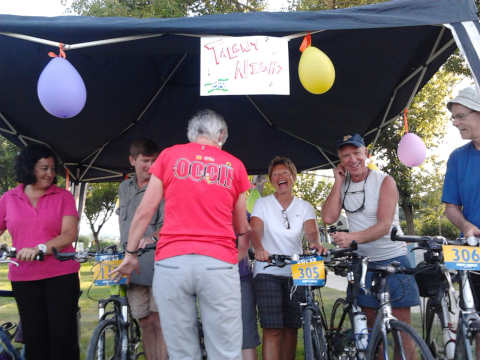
98	152
270	123
79	45
152	100
422	69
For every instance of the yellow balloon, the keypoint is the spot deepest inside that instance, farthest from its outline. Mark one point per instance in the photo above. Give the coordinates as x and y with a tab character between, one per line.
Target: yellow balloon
316	71
371	165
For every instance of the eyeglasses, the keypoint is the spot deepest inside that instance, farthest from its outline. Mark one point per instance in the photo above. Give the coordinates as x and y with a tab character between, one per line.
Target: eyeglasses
361	207
461	116
286	223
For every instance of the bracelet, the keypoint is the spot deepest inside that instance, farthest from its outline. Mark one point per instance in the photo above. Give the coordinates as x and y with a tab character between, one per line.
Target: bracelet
131	252
241	234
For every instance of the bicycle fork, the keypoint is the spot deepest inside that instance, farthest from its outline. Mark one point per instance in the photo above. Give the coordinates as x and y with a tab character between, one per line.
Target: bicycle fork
120	306
468	322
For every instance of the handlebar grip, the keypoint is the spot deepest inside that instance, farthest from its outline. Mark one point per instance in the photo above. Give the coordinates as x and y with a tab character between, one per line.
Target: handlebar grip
40	256
62	256
345	251
411	238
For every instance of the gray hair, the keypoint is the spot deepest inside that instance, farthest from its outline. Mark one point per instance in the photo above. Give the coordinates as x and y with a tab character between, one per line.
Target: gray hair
210	124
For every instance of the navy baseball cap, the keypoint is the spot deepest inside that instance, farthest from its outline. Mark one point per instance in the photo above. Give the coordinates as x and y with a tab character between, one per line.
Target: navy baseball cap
355	140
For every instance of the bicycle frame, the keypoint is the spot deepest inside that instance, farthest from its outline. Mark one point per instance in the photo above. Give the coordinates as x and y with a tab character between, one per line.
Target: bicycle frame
467	315
350	308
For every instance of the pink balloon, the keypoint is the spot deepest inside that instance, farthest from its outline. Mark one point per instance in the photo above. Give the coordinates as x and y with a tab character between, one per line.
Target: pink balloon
411	150
60	89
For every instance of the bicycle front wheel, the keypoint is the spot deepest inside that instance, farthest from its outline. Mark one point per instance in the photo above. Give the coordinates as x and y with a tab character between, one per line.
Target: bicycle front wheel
438	333
400	339
314	343
105	343
341	340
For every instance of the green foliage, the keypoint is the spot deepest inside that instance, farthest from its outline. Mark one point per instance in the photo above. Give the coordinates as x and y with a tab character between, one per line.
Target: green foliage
304	5
162	8
313	189
443	227
8	151
99	206
5	238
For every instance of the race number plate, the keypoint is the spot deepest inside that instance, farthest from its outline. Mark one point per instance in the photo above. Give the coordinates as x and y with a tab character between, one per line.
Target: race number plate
101	270
461	257
309	272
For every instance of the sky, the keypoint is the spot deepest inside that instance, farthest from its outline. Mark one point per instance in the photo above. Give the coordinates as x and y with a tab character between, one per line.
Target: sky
58	8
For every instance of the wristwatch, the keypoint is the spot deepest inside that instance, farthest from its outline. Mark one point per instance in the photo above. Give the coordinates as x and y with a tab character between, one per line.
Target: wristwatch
42	248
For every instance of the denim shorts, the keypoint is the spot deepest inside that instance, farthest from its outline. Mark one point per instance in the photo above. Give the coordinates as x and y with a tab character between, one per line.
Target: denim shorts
402	288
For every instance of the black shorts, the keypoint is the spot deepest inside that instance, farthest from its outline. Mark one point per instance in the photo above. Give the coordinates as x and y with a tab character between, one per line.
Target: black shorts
276	309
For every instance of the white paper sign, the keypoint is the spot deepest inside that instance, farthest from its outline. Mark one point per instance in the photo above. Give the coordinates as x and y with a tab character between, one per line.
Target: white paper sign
244	65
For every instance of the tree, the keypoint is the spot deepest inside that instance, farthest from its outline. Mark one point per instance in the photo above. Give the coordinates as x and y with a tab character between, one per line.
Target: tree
162	8
99	206
8	152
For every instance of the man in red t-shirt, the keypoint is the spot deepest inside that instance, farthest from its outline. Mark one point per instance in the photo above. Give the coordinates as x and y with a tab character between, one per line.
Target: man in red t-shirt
196	256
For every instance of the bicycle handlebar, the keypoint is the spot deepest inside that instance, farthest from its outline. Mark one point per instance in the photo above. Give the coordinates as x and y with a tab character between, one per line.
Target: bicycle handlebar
82	256
6	254
429	242
283	260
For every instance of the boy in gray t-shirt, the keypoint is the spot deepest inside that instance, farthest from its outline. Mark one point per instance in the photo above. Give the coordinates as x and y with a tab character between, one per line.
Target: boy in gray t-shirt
143	153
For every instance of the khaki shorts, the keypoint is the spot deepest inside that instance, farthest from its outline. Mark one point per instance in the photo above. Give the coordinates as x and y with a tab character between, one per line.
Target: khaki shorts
140	299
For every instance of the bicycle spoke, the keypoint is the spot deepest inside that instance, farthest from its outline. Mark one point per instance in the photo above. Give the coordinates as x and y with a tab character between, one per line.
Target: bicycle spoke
401	342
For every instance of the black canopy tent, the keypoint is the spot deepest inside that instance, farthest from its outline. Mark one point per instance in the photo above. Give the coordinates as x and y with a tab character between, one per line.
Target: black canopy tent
142	79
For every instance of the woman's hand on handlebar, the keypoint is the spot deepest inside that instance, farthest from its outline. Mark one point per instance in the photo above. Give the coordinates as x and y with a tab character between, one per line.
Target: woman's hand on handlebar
27	254
319	248
261	254
342	239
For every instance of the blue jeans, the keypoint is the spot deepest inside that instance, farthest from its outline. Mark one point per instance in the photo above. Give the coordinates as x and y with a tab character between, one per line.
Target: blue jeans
402	288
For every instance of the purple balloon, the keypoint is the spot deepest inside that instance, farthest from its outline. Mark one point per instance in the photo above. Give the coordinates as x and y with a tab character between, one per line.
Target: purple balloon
411	150
60	89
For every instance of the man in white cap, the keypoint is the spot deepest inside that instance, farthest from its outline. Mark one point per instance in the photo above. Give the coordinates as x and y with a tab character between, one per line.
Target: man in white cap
461	193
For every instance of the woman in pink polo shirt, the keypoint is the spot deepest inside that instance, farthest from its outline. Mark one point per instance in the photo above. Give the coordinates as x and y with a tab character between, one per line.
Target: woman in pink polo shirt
39	215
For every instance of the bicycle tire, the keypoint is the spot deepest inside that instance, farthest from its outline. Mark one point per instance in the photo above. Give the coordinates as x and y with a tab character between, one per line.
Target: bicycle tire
434	326
314	343
341	337
134	340
7	351
397	328
111	348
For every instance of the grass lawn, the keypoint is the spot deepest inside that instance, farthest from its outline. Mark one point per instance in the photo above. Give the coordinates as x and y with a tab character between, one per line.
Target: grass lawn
8	308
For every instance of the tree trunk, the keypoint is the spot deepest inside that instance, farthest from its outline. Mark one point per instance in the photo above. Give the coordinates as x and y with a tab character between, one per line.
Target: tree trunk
408	211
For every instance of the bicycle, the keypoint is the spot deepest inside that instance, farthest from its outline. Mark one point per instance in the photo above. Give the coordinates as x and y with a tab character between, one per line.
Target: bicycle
441	256
117	335
313	318
9	331
387	329
347	335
